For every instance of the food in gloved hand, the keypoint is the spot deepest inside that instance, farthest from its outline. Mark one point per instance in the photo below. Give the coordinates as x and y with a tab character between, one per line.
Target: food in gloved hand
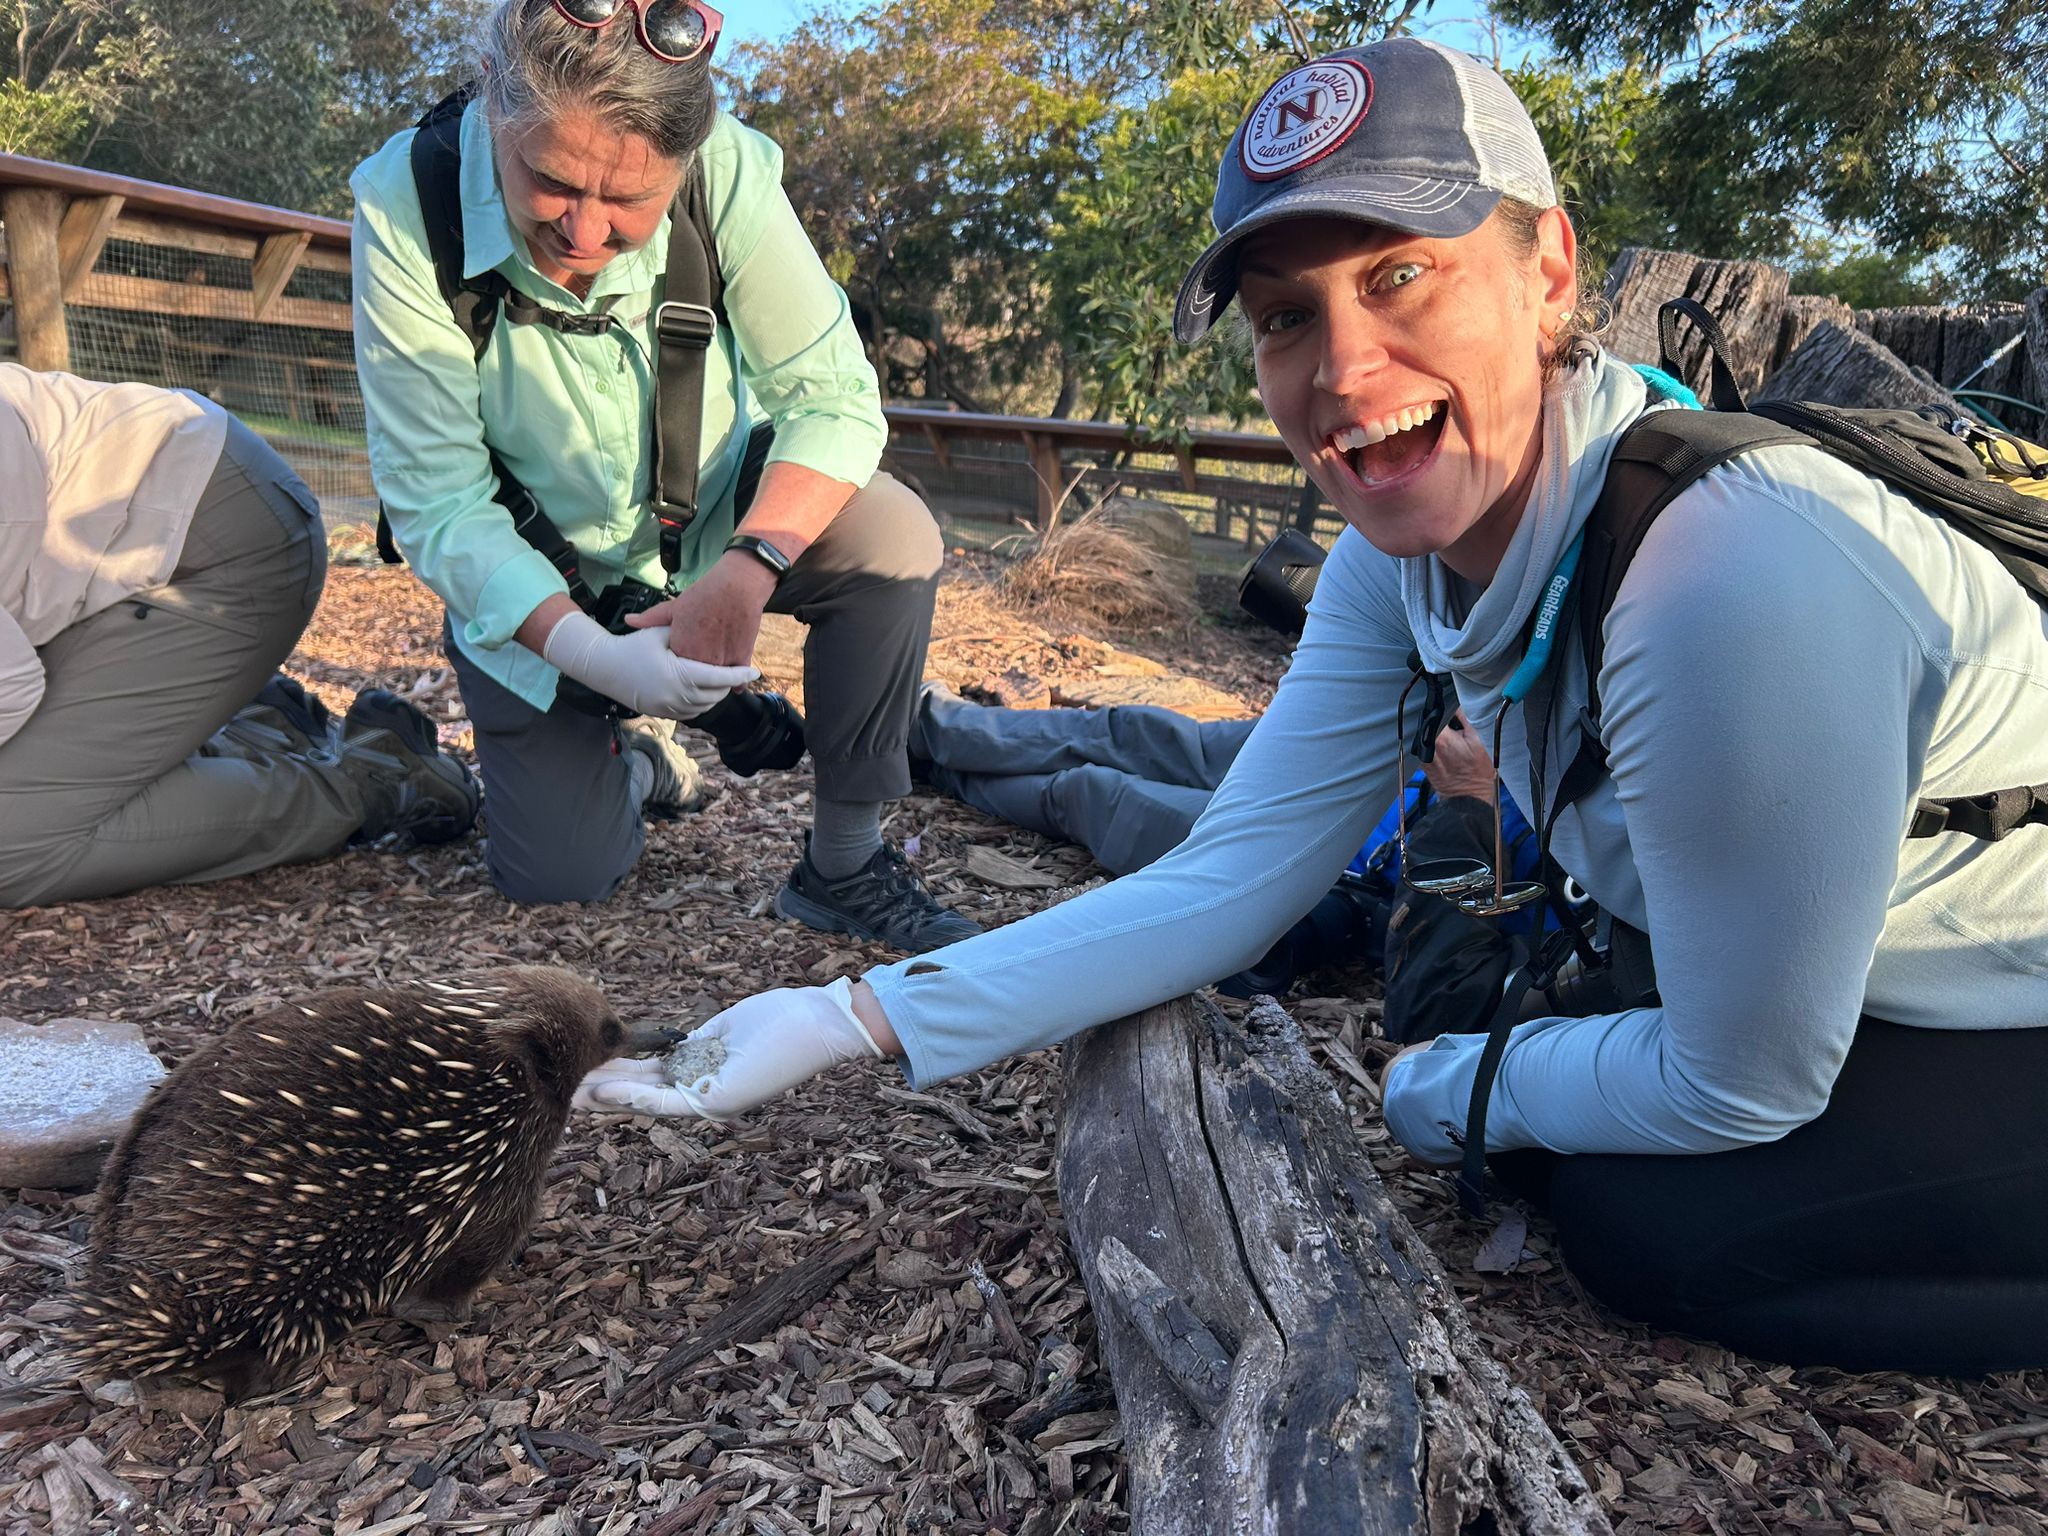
695	1057
356	1153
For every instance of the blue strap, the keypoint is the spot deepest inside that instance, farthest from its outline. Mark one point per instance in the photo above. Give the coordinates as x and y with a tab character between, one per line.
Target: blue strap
1545	632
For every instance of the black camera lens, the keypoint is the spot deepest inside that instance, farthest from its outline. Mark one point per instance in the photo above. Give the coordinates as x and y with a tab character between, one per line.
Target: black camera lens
754	730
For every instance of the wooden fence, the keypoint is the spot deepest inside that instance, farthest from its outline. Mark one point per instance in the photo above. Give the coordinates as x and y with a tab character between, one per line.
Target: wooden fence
60	218
118	278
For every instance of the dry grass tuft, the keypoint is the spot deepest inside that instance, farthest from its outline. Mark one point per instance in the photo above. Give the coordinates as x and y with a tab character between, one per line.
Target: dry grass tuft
1092	570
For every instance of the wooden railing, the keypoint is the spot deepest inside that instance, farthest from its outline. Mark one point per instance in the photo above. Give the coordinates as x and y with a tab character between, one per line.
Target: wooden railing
1063	455
206	281
59	219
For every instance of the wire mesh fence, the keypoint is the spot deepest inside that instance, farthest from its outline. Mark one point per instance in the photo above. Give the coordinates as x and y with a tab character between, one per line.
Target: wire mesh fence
295	384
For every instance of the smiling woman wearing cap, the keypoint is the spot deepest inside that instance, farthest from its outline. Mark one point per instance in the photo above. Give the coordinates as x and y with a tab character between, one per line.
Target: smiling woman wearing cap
1823	1142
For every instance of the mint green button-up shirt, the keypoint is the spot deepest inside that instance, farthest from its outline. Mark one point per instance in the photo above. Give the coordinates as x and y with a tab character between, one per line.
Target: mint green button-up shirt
571	416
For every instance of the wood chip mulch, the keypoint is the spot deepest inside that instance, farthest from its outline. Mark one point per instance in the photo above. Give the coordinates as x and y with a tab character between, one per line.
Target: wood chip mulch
944	1377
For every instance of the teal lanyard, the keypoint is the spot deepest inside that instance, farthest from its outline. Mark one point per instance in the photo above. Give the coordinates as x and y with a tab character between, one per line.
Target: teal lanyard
1537	657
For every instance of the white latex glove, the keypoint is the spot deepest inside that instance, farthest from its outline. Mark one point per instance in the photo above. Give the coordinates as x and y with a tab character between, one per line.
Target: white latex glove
773	1041
637	669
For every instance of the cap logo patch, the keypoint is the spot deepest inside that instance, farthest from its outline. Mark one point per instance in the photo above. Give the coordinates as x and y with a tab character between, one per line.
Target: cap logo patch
1307	113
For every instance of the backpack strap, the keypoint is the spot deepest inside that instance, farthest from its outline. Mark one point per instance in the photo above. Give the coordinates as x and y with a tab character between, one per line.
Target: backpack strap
437	177
684	326
1656	459
1723	392
1988	816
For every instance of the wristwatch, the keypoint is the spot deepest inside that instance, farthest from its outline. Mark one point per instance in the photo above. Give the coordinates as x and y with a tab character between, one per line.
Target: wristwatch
762	551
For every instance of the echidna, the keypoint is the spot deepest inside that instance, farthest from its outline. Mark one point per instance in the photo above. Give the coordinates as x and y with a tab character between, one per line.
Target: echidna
358	1153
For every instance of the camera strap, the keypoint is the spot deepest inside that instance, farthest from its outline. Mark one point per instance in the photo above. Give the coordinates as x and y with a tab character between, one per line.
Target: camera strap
1535	684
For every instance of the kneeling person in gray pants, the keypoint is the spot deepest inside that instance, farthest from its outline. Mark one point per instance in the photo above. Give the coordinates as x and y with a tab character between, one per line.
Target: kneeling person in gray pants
556	411
157	562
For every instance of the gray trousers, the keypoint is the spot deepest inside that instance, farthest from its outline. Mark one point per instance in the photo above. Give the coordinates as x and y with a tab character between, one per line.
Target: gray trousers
563	823
1126	783
119	780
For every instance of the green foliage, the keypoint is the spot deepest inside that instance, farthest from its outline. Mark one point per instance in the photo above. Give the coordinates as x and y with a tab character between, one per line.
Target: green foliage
70	63
1591	127
1123	242
1862	279
924	143
276	100
272	100
47	123
1928	130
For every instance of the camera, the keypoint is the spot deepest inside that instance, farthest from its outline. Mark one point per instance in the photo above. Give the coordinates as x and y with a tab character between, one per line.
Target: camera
1276	586
752	728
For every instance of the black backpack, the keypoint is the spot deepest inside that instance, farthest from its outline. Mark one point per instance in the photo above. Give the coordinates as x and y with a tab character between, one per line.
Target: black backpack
685	325
1951	467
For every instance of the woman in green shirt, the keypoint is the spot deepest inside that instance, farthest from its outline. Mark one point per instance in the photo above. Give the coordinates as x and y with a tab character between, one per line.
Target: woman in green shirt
591	119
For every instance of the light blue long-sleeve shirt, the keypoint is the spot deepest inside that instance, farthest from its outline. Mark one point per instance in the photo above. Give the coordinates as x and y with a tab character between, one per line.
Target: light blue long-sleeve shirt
570	415
1794	657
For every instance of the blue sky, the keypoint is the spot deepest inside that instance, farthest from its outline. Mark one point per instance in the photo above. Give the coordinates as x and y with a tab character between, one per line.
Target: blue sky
749	21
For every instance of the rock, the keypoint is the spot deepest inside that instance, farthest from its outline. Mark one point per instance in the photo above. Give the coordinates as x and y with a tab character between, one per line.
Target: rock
67	1090
1160	528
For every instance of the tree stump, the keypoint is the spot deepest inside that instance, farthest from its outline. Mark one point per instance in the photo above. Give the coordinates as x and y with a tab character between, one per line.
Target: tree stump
1845	367
1949	344
1803	314
1744	296
2036	348
1287	1355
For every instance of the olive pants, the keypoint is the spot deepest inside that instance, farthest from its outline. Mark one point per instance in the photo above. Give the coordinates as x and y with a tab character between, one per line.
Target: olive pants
124	776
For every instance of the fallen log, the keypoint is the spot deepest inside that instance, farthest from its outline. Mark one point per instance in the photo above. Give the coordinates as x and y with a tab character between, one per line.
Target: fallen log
1845	367
1287	1355
1746	297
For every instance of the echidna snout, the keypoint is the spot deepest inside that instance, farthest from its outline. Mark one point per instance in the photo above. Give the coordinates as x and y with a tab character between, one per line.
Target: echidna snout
351	1154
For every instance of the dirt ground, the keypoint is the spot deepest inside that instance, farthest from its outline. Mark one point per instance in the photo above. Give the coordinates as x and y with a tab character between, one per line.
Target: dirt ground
904	1399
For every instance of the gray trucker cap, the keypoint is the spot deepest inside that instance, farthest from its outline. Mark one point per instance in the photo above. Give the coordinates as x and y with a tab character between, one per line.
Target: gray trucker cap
1402	133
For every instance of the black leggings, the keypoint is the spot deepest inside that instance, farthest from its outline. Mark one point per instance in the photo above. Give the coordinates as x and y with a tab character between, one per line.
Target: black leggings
1904	1229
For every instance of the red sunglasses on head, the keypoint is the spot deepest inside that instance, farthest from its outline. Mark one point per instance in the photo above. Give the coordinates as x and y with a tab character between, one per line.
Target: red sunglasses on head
674	31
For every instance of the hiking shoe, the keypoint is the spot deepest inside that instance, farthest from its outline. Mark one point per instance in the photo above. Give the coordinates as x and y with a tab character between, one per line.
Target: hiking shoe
883	900
410	785
678	786
297	711
282	718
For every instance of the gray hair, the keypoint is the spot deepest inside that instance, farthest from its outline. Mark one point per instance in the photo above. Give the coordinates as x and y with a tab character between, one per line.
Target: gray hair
535	65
